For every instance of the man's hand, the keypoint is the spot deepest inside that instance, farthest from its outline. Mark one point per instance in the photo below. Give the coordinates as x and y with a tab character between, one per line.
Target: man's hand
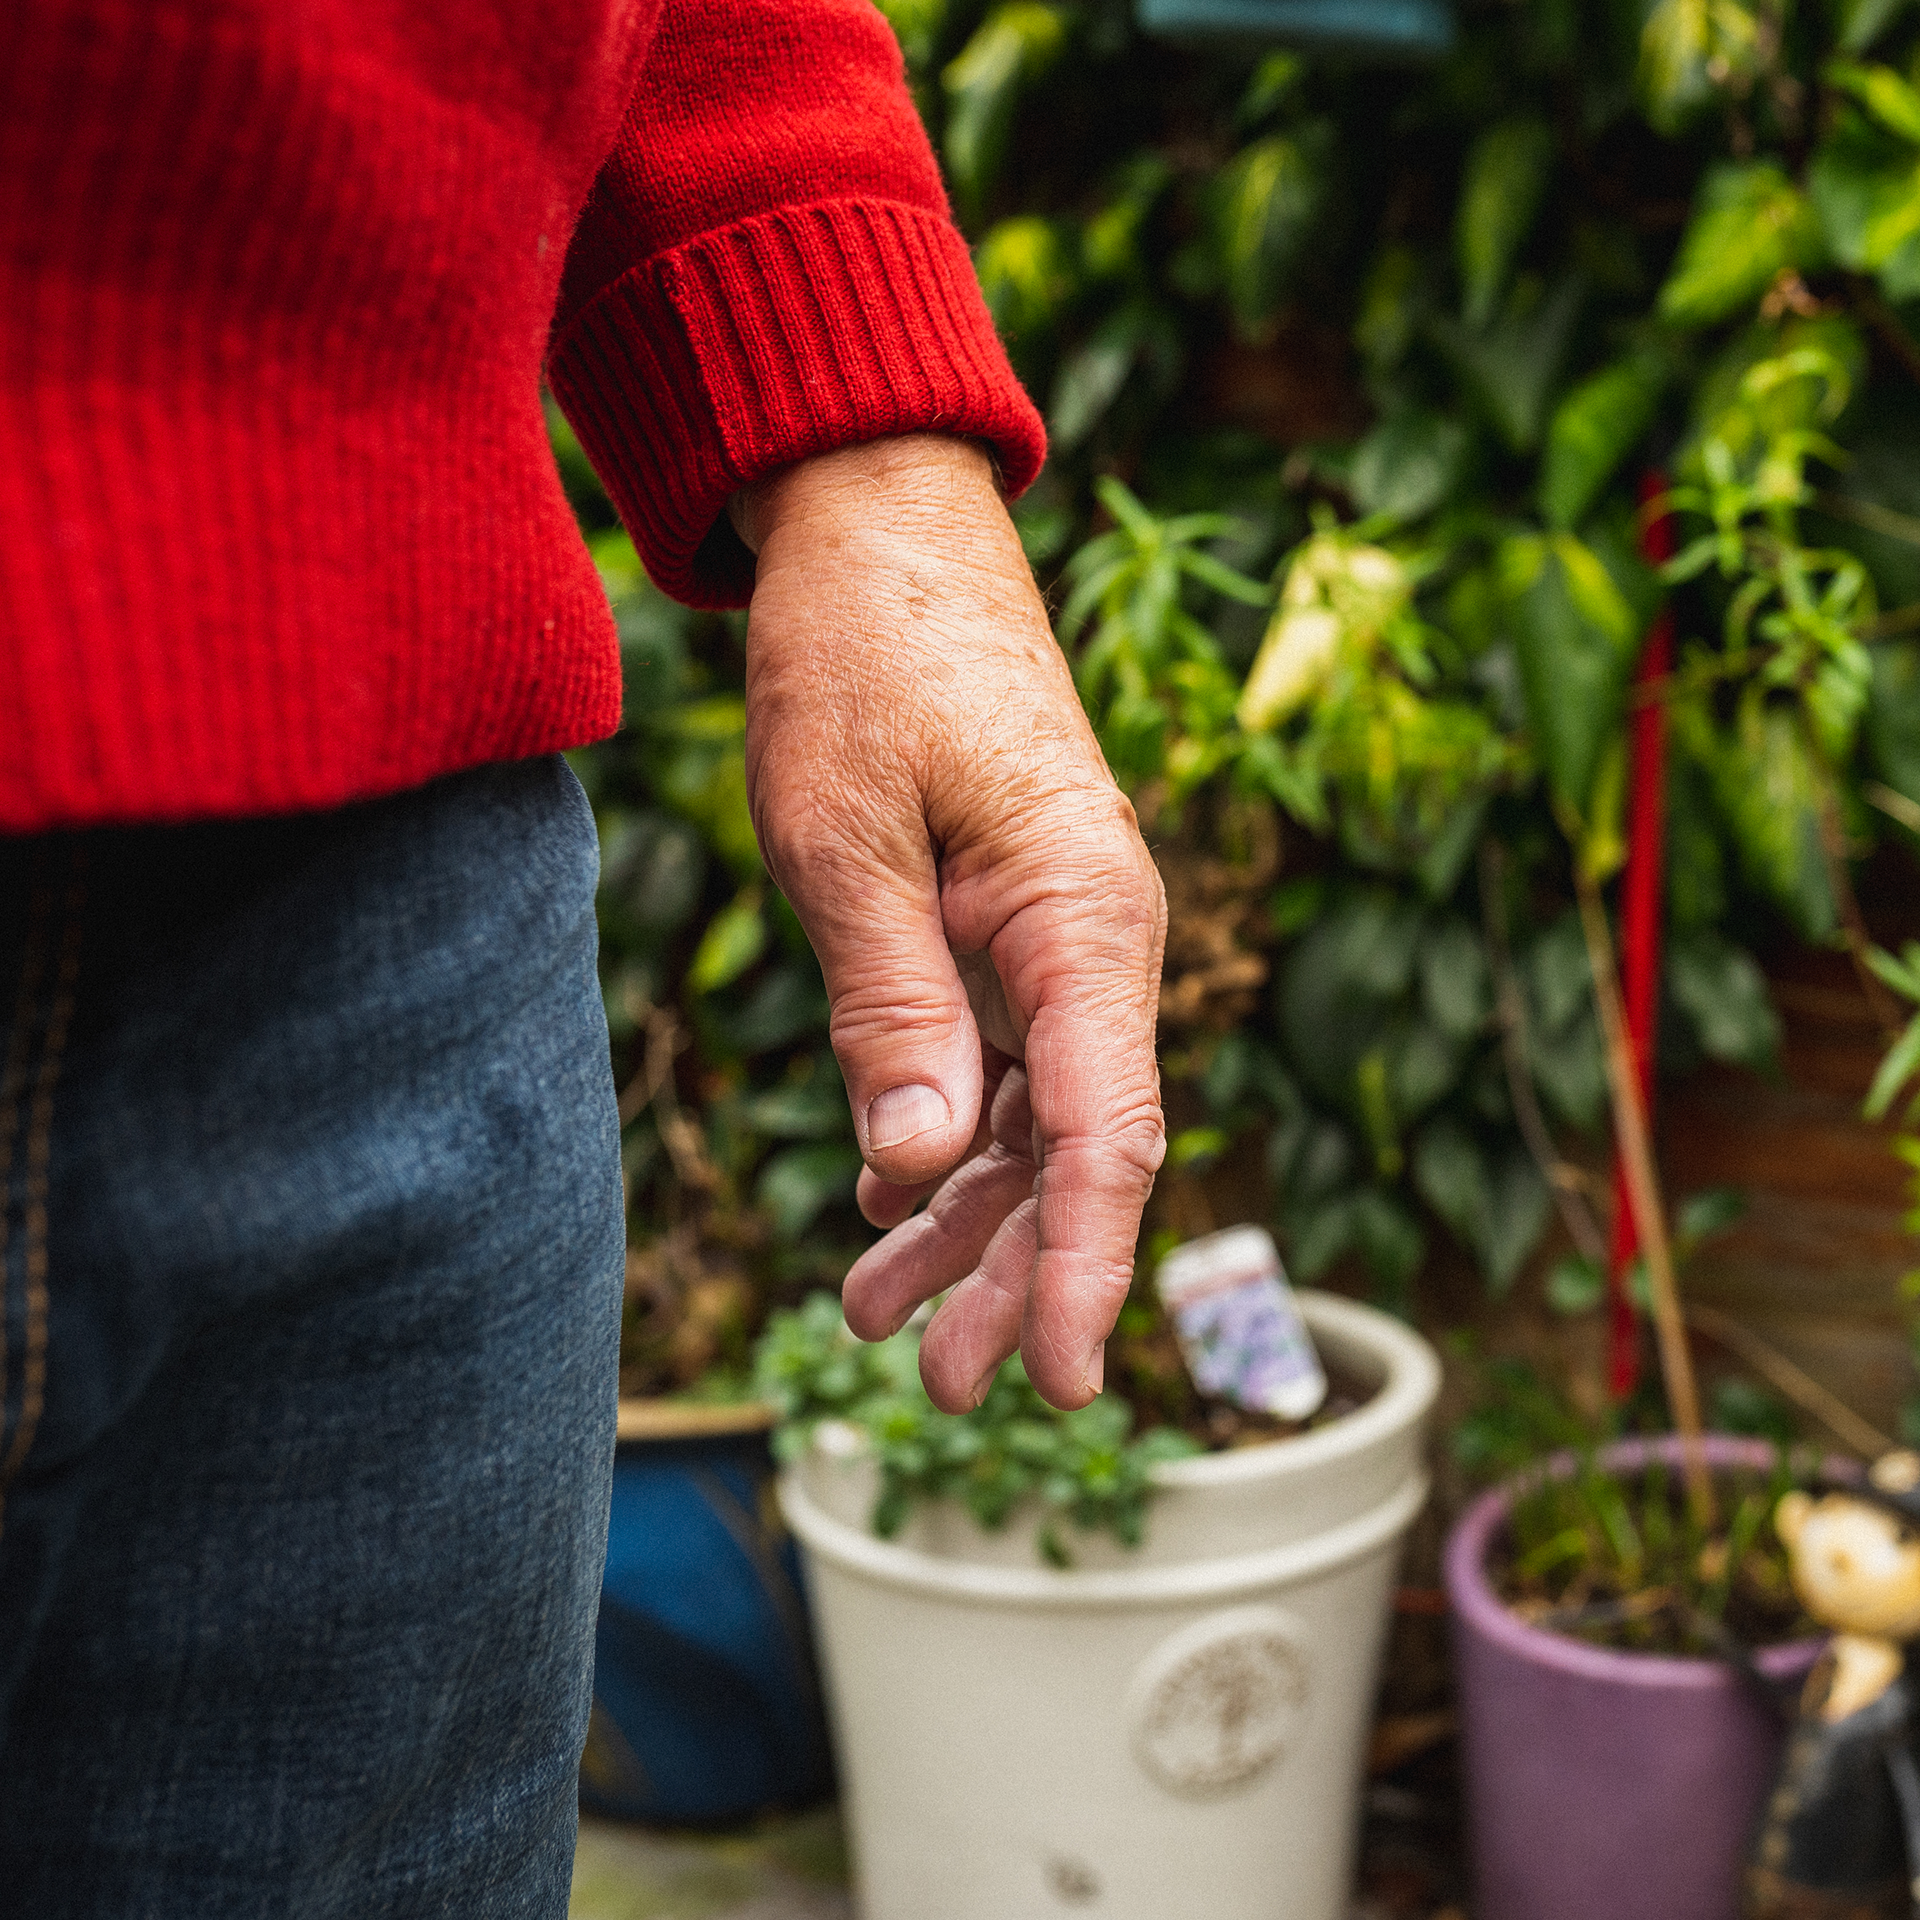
926	786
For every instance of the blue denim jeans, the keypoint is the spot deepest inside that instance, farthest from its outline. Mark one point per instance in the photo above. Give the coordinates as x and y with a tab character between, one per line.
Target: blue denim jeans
310	1228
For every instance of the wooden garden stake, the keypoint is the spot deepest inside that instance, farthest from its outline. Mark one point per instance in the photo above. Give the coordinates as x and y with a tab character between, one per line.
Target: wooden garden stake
1643	1191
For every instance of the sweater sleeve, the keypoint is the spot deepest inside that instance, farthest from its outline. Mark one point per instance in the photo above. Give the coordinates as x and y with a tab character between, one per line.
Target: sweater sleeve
766	269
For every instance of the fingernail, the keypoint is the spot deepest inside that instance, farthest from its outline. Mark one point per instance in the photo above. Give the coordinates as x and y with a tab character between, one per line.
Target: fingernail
1096	1369
902	1114
983	1385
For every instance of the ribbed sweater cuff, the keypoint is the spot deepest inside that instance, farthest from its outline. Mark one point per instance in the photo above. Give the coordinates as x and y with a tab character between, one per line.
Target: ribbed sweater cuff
704	368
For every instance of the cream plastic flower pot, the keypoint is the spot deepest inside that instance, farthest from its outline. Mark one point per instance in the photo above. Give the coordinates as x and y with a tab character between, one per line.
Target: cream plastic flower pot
1171	1733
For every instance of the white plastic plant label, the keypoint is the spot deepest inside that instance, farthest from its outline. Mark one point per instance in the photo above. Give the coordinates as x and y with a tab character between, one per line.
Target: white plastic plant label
1238	1324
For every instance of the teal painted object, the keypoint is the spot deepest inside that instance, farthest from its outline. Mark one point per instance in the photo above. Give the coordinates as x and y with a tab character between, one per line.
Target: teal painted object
1388	29
706	1708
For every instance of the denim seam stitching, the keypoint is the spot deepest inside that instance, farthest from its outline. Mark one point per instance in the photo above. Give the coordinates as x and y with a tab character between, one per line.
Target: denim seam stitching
39	1158
15	1079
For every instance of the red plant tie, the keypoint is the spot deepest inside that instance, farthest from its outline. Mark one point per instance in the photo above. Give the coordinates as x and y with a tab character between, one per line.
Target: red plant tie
1641	891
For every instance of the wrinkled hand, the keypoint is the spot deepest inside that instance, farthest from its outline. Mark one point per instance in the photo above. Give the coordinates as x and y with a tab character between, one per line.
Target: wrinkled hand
925	786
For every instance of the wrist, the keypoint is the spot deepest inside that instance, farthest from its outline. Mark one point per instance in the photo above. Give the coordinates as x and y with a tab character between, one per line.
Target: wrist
912	475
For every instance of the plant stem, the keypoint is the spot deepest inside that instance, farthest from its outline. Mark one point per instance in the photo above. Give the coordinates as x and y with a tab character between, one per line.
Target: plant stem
1643	1191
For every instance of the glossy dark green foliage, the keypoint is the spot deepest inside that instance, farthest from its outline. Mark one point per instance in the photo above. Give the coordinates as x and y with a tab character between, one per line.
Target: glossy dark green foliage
1410	339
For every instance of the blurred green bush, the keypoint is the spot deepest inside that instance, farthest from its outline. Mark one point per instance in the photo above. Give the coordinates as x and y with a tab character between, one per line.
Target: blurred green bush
1353	376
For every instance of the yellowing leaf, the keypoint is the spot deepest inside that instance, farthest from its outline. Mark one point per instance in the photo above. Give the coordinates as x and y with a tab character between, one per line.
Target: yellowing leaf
1294	660
1338	597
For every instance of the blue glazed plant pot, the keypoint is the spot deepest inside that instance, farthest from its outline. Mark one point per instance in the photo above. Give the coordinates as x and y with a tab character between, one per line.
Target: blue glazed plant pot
1391	29
706	1706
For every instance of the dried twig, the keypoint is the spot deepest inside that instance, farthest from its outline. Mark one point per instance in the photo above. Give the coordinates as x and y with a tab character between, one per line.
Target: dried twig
1643	1194
653	1087
1773	1366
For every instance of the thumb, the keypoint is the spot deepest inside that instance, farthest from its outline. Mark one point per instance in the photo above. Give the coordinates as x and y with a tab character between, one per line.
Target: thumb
902	1028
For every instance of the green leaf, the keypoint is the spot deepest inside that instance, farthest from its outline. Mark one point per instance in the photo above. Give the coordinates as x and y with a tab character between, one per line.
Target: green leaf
1498	1206
1197	1146
1900	1065
1704	1215
1723	993
1506	179
1675	46
1025	274
798	1182
1092	376
1862	22
651	870
1750	224
1267	206
1408	464
1574	635
1893	717
1272	87
1013	46
1317	1233
1390	304
1902	974
1111	242
1342	984
1593	429
1450	1169
1456	984
1865	186
1510	367
1559	975
1389	1240
1575	1285
735	938
815	1109
1517	1216
786	1005
1891	100
916	24
1424	1067
1769	789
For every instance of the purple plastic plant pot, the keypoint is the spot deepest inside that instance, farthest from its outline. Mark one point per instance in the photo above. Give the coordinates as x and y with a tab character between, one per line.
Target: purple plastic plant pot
1599	1783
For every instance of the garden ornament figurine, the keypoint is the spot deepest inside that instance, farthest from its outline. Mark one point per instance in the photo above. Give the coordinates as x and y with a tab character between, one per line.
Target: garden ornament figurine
1841	1837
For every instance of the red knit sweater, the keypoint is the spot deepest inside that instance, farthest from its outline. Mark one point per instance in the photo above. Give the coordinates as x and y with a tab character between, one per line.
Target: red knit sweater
278	279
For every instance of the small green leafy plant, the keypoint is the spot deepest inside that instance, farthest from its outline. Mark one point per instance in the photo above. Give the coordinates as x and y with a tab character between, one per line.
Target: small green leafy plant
1084	1469
1613	1554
